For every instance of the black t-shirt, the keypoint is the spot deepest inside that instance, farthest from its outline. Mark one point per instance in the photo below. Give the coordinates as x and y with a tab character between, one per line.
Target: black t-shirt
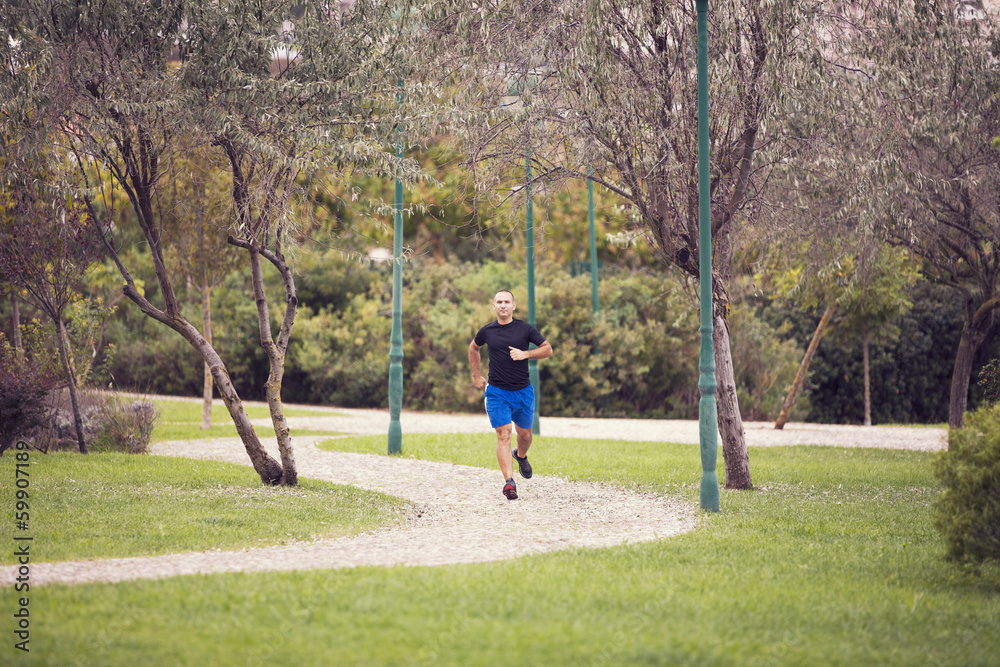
506	373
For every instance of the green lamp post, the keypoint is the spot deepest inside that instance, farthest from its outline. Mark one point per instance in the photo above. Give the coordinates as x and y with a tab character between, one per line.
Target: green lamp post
513	93
396	337
593	248
530	238
708	418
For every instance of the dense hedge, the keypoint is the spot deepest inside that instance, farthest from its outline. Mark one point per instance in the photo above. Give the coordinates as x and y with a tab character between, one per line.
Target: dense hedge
637	358
910	374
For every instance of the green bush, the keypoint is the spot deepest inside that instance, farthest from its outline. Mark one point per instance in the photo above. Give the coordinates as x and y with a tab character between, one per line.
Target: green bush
989	380
968	510
765	363
639	357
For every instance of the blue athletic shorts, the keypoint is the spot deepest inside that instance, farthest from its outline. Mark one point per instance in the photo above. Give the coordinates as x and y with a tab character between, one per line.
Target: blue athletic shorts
504	407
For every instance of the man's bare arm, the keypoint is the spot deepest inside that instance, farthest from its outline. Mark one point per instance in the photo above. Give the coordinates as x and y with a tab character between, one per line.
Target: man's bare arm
543	351
475	361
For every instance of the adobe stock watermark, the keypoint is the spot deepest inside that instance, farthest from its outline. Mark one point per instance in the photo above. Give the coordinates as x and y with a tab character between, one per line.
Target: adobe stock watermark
22	545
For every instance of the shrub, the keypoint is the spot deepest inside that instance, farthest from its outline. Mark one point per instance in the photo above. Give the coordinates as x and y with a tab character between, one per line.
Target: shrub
59	434
968	510
639	357
24	383
122	425
764	363
989	380
111	423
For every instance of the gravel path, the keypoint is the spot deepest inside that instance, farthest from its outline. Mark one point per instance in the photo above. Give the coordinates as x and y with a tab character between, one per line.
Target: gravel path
461	516
758	434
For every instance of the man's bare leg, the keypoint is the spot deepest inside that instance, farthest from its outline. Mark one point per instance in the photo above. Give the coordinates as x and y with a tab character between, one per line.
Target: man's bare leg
523	440
503	451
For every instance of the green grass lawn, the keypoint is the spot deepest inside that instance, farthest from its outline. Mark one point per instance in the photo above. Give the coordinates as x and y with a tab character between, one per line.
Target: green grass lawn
114	505
832	561
181	420
174	410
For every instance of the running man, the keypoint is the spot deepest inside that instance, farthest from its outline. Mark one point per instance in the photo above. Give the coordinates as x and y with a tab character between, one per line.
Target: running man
509	395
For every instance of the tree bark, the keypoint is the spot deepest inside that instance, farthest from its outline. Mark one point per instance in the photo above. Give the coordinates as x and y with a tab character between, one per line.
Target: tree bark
16	316
206	316
865	336
962	371
266	467
61	338
276	356
978	322
734	444
800	376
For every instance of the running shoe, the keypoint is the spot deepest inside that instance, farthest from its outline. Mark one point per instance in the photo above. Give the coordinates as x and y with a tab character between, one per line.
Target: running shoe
510	489
522	465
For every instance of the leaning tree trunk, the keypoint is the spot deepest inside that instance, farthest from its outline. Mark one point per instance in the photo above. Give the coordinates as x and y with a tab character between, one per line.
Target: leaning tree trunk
266	467
61	338
206	316
800	376
865	338
978	322
734	443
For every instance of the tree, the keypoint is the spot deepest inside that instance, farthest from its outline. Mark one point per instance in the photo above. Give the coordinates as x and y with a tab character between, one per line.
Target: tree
607	89
279	91
45	250
332	104
862	293
800	374
196	219
873	305
925	169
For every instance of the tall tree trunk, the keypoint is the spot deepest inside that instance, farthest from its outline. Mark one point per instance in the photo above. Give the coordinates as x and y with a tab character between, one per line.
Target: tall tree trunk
865	339
734	444
16	316
800	376
206	316
978	322
276	357
61	341
266	467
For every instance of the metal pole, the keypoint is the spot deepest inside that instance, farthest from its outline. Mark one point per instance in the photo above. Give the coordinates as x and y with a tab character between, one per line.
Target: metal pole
593	248
708	418
396	338
530	233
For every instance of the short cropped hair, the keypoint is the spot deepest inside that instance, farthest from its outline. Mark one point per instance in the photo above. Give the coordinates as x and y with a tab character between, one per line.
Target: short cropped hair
508	292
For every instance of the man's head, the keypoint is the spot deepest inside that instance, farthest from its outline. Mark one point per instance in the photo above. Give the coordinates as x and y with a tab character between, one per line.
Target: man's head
504	306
